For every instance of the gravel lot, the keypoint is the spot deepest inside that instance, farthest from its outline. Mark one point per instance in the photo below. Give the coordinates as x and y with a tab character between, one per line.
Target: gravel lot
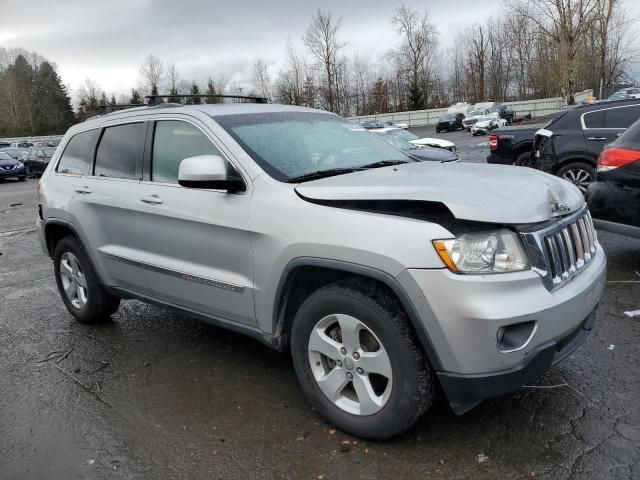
157	395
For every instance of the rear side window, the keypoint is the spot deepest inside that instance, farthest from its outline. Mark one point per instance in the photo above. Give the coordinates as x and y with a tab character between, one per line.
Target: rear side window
78	154
594	119
120	151
173	141
622	117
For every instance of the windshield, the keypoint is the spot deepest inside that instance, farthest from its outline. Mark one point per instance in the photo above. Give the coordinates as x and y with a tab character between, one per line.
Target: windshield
5	156
403	134
476	113
397	141
292	144
447	118
48	152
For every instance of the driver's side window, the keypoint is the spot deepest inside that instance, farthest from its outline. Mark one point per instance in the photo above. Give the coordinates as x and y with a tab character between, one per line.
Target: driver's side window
173	141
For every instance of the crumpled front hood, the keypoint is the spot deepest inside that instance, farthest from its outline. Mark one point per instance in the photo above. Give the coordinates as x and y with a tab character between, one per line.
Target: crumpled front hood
478	192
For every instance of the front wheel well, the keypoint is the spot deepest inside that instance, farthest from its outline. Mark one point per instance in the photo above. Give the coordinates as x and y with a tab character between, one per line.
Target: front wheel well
55	232
303	280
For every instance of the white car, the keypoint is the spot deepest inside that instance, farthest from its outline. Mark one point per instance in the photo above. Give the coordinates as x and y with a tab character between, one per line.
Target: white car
473	117
484	126
416	140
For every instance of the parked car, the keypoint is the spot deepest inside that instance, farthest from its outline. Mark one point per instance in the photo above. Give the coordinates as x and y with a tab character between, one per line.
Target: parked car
484	127
37	160
21	145
370	124
5	145
512	146
383	276
503	112
473	117
16	153
420	141
422	154
450	122
619	96
614	198
404	126
633	92
10	167
569	145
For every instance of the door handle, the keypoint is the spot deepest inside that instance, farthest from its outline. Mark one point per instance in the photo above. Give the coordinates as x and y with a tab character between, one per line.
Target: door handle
84	189
152	199
597	139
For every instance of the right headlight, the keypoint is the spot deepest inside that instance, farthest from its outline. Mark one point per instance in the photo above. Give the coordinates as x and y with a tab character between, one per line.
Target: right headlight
498	251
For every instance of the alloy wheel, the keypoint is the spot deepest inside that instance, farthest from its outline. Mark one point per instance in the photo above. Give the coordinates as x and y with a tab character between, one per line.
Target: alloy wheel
350	364
73	280
579	177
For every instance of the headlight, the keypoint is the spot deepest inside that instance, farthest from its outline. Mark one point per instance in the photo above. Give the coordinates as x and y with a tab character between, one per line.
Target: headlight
499	251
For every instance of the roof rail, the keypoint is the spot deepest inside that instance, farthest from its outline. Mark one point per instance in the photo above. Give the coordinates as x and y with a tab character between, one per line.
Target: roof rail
158	99
104	109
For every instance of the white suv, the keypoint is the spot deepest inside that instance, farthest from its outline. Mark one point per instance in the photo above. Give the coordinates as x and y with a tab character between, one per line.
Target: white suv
383	275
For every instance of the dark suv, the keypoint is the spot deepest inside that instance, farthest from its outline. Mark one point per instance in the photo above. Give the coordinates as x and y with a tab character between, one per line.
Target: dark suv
450	122
569	145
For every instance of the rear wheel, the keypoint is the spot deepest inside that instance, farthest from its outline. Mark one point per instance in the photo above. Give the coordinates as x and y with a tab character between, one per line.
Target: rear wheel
578	173
523	159
358	361
78	284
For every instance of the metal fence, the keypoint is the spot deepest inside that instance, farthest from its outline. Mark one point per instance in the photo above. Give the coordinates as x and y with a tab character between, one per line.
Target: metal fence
418	118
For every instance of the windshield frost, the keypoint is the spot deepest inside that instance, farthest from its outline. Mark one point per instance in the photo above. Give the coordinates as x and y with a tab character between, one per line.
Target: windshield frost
291	144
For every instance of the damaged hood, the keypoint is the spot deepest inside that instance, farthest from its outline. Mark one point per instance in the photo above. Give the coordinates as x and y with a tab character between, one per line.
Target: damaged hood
478	192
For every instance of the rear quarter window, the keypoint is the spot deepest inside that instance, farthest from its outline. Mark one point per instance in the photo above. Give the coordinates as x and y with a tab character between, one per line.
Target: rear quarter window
594	119
78	154
622	117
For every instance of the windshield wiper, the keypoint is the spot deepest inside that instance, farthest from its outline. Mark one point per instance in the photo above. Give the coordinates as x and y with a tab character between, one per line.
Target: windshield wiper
340	171
321	174
383	163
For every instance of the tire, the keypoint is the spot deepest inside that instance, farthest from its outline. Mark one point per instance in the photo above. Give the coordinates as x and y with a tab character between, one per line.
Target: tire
523	159
22	179
402	398
579	173
95	305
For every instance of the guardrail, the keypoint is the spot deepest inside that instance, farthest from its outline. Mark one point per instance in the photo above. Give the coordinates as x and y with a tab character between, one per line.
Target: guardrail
419	118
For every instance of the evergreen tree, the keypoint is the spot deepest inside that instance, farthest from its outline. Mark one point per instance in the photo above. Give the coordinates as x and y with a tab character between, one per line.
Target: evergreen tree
103	99
136	99
112	101
211	90
53	111
194	90
416	98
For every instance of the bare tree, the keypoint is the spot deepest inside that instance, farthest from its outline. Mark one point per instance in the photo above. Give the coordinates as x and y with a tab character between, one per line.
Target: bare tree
419	41
261	78
152	71
322	43
565	22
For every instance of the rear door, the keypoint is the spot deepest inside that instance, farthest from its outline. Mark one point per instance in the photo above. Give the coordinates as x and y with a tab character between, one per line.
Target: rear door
601	127
107	204
198	248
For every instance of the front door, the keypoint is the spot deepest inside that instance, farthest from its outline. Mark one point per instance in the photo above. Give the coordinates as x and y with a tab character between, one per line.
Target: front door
198	248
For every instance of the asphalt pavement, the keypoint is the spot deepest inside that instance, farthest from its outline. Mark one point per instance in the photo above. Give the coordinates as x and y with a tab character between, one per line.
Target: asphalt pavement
155	395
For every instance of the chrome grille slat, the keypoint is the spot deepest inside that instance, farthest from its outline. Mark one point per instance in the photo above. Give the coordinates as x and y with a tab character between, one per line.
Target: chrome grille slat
560	251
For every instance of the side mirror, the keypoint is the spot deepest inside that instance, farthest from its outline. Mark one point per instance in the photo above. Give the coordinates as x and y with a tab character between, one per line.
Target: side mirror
208	171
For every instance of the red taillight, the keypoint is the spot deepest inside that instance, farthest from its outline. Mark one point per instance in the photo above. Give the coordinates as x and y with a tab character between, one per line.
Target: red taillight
617	157
493	142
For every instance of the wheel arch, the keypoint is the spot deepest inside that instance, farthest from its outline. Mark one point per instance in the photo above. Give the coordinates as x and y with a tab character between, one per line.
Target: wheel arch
304	275
592	162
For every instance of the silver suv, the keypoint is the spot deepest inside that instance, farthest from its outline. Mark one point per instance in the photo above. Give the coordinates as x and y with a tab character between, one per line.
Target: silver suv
384	276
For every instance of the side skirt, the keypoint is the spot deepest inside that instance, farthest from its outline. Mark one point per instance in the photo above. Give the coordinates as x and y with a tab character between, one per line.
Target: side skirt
253	332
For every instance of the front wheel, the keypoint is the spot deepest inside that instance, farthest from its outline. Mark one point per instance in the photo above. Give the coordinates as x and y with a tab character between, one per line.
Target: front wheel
358	361
578	173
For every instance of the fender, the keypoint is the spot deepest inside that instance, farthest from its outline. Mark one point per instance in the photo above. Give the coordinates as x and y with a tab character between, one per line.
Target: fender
365	271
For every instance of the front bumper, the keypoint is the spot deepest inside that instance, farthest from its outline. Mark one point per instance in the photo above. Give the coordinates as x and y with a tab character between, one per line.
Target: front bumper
465	391
462	314
14	172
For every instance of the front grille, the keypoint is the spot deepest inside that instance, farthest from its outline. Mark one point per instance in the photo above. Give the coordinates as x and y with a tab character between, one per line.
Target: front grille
561	251
8	167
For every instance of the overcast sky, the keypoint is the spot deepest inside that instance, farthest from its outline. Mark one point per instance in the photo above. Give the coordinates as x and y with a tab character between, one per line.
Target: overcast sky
107	40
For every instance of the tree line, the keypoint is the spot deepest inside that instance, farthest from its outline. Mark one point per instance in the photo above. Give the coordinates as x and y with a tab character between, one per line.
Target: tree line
33	99
533	49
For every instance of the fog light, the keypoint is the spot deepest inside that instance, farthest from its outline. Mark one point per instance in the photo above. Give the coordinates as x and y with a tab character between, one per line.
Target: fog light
512	338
